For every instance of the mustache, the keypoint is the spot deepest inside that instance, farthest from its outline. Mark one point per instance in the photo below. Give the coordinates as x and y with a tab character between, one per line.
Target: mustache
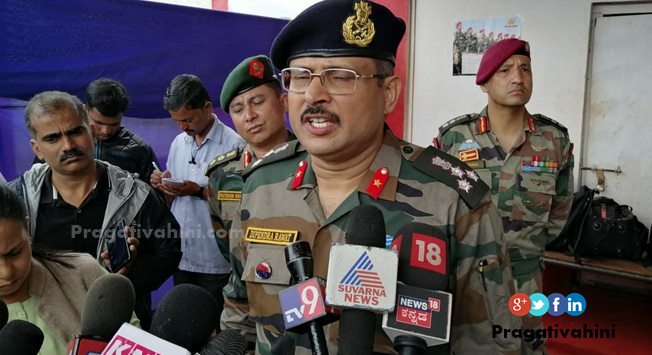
71	154
313	110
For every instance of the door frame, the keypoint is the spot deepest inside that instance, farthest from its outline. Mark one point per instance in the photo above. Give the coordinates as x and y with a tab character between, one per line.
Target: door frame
600	10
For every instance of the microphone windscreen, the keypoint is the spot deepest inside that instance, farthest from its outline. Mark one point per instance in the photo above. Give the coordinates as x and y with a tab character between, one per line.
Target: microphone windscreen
228	342
186	316
366	227
422	256
109	303
4	314
20	338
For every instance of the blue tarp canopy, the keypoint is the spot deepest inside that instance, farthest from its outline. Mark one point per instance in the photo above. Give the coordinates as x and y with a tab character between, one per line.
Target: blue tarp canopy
65	44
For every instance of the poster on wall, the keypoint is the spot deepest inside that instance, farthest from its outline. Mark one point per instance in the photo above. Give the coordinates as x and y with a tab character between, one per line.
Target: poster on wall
472	37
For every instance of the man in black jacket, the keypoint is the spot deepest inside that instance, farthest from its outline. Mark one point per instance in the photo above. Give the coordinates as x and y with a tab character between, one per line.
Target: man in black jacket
106	103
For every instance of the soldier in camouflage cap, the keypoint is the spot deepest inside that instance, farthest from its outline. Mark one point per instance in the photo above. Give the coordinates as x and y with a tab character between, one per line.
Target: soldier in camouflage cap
347	157
252	95
526	159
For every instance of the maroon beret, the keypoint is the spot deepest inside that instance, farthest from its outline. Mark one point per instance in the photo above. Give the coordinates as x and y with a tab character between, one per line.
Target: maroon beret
497	54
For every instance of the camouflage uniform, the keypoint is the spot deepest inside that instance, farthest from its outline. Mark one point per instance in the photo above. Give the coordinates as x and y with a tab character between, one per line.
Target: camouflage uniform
422	186
533	205
224	186
224	190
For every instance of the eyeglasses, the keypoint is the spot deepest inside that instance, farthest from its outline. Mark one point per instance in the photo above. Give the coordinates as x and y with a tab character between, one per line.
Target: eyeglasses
336	81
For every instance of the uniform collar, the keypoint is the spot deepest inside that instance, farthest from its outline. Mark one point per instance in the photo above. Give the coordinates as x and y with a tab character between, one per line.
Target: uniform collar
248	156
388	159
483	125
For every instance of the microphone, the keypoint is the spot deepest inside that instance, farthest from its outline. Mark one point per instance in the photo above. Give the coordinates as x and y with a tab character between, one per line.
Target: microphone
4	314
361	279
186	316
228	342
21	337
422	316
130	340
303	303
108	304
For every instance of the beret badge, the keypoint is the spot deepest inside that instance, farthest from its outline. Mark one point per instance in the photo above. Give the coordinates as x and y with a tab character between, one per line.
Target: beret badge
256	69
358	29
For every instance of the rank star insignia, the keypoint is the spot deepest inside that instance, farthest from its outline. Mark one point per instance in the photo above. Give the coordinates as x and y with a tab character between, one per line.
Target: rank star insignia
472	175
358	29
441	163
377	183
457	172
463	184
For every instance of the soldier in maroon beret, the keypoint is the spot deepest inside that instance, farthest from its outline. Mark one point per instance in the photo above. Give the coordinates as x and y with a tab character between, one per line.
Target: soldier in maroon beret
527	160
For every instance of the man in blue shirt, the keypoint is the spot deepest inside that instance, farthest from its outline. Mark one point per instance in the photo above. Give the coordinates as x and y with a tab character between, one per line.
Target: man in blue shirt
203	138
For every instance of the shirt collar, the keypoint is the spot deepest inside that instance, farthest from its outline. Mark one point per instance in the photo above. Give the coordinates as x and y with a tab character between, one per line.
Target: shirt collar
49	193
214	134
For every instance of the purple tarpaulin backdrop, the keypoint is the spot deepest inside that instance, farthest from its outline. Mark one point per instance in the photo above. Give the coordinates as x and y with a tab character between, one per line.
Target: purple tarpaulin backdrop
65	44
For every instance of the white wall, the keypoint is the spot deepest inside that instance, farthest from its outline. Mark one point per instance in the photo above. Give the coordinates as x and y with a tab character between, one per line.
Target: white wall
558	32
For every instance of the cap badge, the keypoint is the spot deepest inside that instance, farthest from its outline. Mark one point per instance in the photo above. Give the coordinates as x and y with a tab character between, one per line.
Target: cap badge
256	69
359	29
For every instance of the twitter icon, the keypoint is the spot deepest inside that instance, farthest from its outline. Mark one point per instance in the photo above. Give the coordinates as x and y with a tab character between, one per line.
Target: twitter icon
539	304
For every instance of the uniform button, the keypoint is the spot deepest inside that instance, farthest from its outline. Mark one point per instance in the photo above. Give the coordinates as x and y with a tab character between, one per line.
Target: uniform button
21	315
408	150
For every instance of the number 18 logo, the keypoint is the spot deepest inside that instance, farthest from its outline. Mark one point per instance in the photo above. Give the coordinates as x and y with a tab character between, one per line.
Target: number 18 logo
428	253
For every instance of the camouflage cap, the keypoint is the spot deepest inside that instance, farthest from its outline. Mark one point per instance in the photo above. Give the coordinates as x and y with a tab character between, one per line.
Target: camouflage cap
497	54
340	28
250	73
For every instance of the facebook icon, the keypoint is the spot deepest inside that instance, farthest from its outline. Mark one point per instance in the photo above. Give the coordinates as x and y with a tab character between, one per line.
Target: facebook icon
558	304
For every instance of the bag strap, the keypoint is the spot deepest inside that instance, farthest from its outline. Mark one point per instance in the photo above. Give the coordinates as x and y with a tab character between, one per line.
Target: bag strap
589	210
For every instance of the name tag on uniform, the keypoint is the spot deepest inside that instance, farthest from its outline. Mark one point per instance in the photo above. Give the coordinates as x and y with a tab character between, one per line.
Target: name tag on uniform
270	236
224	195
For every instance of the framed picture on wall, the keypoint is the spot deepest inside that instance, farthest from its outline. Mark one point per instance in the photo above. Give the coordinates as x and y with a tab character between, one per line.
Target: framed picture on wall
472	37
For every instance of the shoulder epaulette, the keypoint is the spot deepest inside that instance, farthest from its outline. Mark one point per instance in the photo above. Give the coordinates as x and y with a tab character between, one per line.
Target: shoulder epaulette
454	173
223	159
281	152
457	120
547	120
